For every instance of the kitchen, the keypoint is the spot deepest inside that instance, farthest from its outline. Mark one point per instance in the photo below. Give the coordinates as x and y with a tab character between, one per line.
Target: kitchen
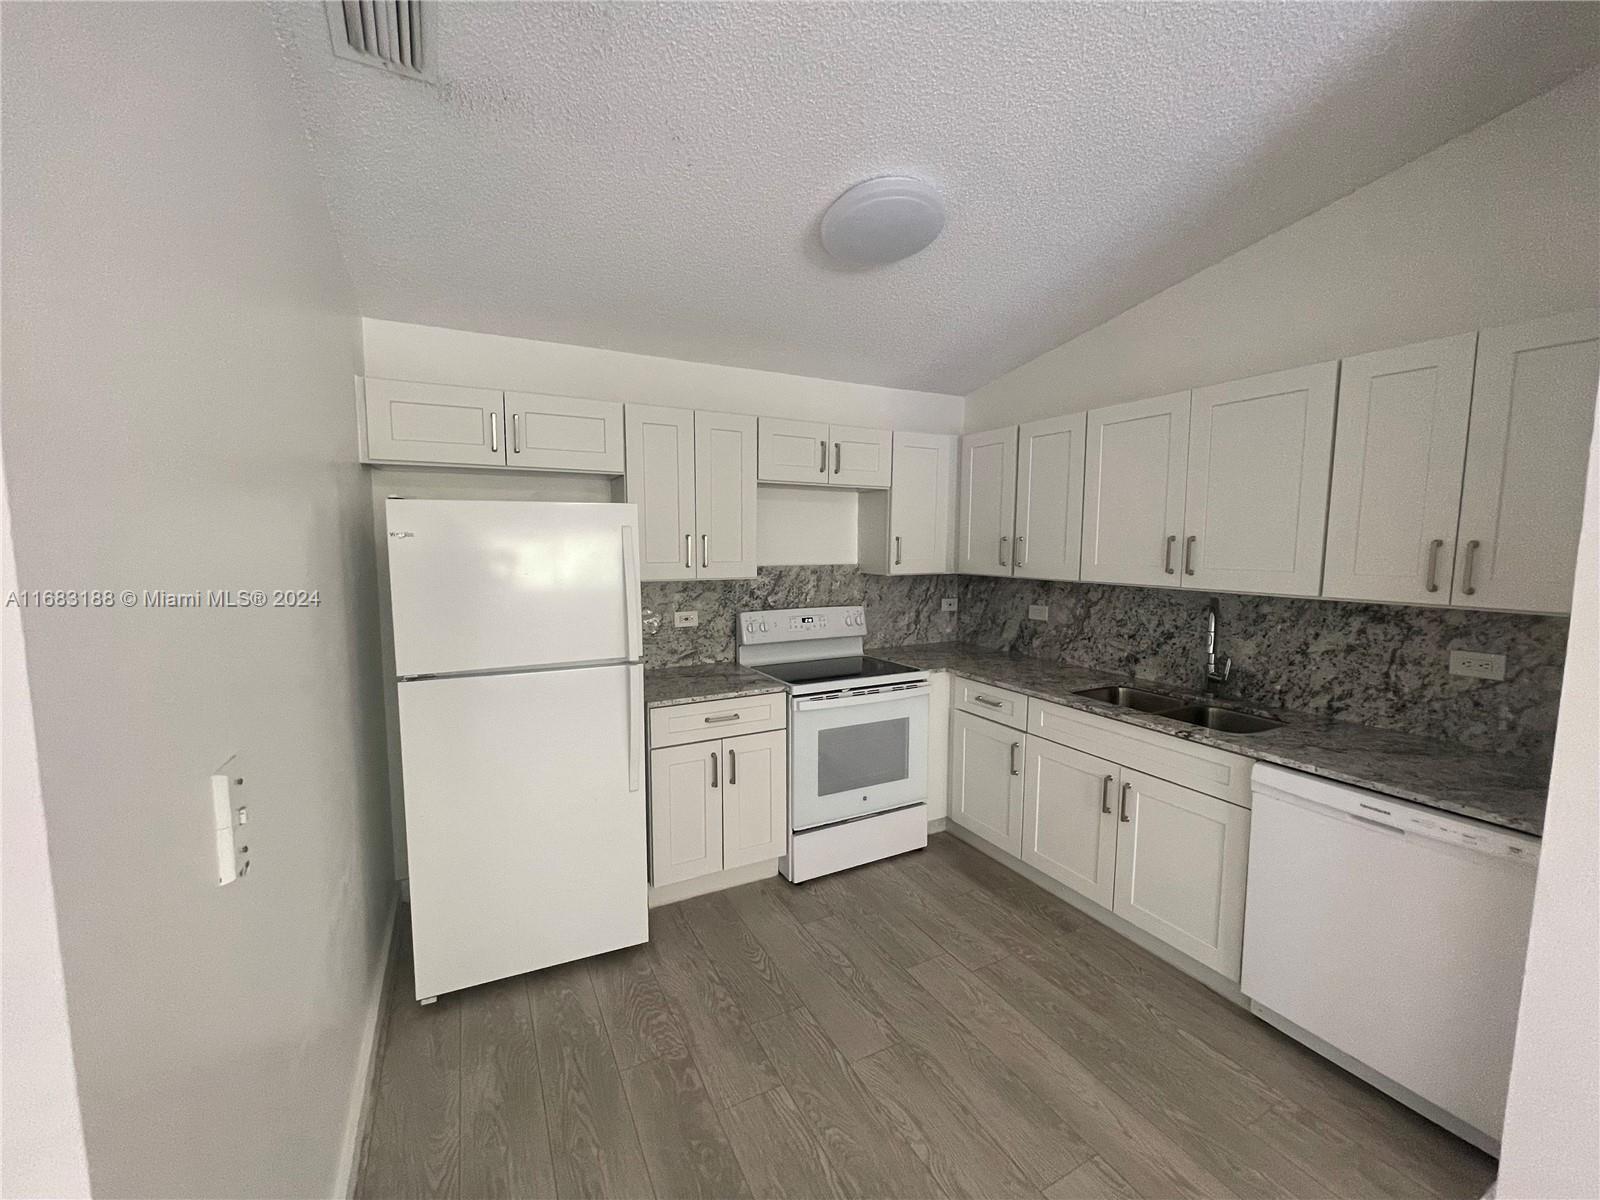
1096	752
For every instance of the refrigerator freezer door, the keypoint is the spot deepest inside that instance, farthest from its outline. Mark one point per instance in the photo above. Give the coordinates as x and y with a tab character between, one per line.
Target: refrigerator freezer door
525	820
485	585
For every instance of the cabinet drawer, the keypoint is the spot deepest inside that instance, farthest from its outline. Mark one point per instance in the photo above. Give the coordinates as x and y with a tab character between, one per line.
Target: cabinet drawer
986	700
1214	772
675	724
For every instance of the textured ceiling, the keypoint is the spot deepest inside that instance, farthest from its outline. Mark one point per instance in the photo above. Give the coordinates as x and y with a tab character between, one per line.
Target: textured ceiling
650	177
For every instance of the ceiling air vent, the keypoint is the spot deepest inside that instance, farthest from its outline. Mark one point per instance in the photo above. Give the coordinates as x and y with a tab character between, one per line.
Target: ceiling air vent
392	34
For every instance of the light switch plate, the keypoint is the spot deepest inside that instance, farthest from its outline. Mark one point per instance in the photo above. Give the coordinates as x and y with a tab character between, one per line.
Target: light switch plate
1038	612
684	620
229	816
1478	664
948	604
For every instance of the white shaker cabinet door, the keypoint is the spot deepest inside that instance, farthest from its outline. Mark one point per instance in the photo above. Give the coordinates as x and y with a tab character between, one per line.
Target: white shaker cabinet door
685	812
1050	497
1256	505
860	458
988	502
1397	458
922	504
433	423
564	433
725	495
1527	452
1181	858
755	798
1133	491
986	780
1069	820
660	480
794	451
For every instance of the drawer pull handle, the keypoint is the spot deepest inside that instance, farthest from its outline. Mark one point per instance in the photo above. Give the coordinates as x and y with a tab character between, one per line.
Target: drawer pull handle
1015	746
990	701
1124	814
733	716
1105	793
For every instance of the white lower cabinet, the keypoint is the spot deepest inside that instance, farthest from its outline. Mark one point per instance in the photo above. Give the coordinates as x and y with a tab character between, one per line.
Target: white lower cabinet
716	805
986	780
1069	818
1181	859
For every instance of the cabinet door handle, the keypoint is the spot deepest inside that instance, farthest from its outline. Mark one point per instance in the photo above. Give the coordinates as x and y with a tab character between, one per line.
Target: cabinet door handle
713	768
516	433
705	559
725	717
836	458
1015	746
1433	563
1166	561
494	433
733	768
1105	793
1019	556
898	557
688	551
1123	814
822	466
1466	569
1003	542
1188	554
990	701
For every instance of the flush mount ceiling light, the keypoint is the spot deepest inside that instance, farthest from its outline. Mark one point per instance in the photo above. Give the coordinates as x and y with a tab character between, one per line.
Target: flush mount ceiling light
882	221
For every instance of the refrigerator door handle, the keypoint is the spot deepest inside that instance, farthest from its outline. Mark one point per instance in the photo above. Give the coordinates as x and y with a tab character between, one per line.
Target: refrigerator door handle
630	580
635	726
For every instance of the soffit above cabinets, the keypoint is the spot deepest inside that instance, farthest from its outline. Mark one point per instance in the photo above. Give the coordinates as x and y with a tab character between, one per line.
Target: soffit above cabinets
650	177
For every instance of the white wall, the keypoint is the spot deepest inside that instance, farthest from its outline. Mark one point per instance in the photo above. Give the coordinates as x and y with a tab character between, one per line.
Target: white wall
1551	1144
180	343
1497	226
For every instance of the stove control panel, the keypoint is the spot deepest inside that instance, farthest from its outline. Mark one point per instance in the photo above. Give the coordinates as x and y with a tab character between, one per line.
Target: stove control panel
802	624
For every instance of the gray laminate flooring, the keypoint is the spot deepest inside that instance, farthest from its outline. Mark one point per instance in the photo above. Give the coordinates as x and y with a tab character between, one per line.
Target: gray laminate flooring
929	1026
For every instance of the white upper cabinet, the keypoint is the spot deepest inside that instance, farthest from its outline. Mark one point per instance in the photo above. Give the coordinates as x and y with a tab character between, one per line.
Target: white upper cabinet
1134	491
693	476
835	455
725	495
1527	452
1397	463
910	529
434	423
794	451
660	480
1256	503
1049	519
564	433
988	502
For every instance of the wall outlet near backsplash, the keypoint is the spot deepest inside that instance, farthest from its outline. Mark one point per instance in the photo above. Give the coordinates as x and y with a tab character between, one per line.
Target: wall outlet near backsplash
1038	612
1477	664
685	620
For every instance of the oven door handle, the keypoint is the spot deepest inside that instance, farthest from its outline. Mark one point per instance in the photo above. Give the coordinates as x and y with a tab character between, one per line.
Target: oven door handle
910	692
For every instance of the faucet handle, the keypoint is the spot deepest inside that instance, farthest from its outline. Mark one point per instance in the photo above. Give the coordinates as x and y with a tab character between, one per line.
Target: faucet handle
1227	668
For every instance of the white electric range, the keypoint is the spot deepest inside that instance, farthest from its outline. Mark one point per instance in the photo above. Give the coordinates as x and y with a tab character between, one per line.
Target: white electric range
858	738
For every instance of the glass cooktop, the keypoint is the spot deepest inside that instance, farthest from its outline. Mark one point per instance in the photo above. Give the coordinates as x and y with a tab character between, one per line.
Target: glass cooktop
848	669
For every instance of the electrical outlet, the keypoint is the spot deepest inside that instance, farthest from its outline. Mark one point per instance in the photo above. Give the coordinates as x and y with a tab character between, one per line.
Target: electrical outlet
948	604
1038	612
685	620
1477	664
229	816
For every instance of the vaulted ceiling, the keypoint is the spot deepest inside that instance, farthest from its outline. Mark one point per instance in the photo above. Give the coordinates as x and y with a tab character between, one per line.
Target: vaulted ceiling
649	177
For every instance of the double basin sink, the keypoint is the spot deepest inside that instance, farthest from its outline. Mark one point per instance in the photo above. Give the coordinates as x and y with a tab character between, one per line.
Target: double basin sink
1207	716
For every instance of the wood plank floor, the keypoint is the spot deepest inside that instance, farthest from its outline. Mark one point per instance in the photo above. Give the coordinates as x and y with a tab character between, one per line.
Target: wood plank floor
925	1027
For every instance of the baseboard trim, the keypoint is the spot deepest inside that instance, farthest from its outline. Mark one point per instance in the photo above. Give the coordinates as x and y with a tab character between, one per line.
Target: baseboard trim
717	881
362	1093
1218	983
938	825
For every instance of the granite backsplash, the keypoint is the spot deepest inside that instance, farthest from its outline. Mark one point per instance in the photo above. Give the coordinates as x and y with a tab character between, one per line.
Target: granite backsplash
899	610
1374	664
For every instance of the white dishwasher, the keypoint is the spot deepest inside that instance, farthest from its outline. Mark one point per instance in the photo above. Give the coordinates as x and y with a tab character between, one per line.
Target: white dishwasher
1390	937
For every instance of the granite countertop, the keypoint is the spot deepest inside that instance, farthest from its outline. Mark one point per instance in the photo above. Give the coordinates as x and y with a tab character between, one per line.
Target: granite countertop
1509	792
703	681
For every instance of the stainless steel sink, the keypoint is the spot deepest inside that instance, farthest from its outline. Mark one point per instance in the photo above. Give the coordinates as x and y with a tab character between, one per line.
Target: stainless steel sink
1127	697
1224	720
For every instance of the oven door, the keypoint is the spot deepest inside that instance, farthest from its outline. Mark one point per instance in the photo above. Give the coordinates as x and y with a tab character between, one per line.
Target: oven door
857	754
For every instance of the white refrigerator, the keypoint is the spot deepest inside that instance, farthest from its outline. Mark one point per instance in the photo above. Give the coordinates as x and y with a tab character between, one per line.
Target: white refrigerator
517	645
